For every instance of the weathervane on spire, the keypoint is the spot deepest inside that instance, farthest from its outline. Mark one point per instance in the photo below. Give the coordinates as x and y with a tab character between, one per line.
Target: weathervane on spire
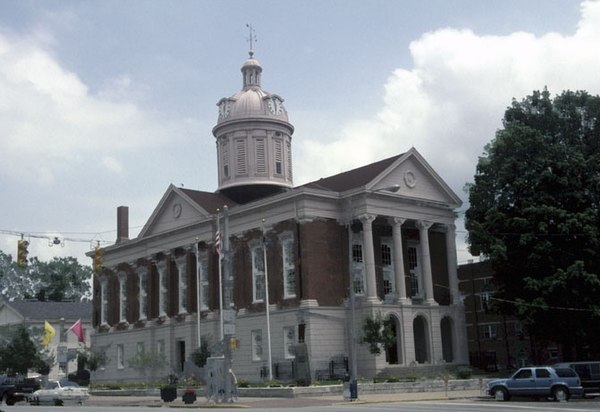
251	39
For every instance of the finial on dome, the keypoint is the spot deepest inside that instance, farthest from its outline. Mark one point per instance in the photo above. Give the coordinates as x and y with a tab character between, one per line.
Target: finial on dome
251	39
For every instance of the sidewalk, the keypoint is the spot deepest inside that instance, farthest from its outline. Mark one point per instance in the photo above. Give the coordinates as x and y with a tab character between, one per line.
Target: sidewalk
245	402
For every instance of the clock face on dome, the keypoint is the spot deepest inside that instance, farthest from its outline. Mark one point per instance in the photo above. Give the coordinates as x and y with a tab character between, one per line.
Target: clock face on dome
275	105
224	109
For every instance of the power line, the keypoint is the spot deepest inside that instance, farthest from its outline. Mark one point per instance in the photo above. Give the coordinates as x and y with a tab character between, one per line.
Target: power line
53	239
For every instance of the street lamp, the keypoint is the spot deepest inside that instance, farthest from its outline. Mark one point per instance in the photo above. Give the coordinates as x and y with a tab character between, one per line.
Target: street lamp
353	367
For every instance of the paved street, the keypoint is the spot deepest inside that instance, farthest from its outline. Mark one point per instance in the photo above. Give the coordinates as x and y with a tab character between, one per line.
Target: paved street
458	401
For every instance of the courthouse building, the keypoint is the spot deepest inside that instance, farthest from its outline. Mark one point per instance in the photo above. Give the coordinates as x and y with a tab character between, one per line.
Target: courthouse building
388	226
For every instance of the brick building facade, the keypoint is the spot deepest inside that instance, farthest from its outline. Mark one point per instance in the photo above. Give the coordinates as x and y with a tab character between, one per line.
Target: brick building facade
387	228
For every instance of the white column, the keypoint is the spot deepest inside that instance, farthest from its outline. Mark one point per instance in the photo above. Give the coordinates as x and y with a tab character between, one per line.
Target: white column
451	258
426	260
399	259
367	221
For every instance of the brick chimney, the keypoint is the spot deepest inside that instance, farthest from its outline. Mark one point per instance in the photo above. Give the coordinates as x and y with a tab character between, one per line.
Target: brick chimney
122	223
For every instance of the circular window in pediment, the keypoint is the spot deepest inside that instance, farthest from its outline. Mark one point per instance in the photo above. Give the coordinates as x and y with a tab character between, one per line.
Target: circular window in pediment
410	179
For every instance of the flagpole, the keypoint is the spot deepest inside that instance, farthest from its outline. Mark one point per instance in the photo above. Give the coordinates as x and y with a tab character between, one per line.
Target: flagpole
220	279
198	293
264	238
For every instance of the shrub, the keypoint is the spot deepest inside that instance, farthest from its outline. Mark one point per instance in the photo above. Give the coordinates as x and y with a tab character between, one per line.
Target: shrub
463	372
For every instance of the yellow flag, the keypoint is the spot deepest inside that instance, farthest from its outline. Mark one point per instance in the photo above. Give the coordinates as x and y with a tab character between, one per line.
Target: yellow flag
49	333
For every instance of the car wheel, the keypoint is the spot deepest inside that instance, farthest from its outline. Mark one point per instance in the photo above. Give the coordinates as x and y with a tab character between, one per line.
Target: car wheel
58	402
500	394
8	400
560	394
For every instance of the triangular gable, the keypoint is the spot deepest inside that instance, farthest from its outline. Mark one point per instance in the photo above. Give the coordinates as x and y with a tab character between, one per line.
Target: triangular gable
175	209
416	179
9	315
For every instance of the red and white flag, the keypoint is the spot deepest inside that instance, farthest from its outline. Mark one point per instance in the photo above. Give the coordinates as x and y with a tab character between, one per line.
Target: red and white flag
77	329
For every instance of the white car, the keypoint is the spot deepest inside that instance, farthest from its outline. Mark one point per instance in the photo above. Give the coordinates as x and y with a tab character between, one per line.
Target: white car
59	393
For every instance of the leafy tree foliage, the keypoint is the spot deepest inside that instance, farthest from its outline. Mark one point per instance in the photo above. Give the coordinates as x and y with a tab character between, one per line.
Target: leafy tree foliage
535	213
59	279
378	332
19	352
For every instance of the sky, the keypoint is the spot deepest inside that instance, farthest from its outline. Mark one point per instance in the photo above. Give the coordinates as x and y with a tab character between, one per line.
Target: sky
106	103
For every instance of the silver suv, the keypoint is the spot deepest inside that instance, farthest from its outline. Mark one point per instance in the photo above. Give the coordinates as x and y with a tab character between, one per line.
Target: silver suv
539	381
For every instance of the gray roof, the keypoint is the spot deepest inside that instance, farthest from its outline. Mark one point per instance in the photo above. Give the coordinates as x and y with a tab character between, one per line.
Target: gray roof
40	311
353	178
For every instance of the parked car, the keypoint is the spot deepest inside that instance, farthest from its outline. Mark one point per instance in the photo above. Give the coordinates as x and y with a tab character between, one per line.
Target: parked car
17	388
589	373
539	382
60	393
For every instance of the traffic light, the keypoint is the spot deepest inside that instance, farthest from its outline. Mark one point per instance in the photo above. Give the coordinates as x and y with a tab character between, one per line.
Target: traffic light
97	259
22	253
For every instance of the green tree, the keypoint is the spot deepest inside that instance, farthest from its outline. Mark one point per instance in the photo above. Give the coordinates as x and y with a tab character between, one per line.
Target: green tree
378	332
18	352
201	354
535	214
59	279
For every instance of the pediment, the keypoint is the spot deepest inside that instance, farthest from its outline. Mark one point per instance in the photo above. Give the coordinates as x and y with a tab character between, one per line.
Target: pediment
416	180
175	210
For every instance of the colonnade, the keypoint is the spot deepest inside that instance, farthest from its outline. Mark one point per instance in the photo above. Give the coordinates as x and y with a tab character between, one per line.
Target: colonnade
423	226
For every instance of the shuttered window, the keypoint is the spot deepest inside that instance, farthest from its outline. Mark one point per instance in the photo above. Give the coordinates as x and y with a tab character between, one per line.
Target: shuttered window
241	166
260	153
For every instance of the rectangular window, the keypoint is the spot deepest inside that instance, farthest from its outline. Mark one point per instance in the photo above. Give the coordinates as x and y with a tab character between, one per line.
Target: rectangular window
489	331
225	158
182	280
143	295
122	297
141	347
160	347
257	345
278	157
120	356
163	289
104	300
414	271
260	153
204	283
485	297
289	268
258	274
241	162
387	268
289	340
358	268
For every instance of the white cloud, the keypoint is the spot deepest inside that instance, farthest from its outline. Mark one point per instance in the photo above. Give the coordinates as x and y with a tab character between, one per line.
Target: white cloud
451	102
50	122
112	165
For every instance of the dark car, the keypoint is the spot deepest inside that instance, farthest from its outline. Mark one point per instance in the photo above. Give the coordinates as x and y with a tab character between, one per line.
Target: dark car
14	389
589	373
538	382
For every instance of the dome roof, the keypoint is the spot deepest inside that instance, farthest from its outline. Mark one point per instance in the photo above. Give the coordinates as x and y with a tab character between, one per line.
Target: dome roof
251	102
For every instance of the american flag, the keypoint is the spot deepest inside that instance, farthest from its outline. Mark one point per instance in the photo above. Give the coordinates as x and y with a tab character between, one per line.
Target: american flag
218	242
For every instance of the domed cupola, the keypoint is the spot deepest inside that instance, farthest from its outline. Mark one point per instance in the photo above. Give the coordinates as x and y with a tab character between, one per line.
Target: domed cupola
254	140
